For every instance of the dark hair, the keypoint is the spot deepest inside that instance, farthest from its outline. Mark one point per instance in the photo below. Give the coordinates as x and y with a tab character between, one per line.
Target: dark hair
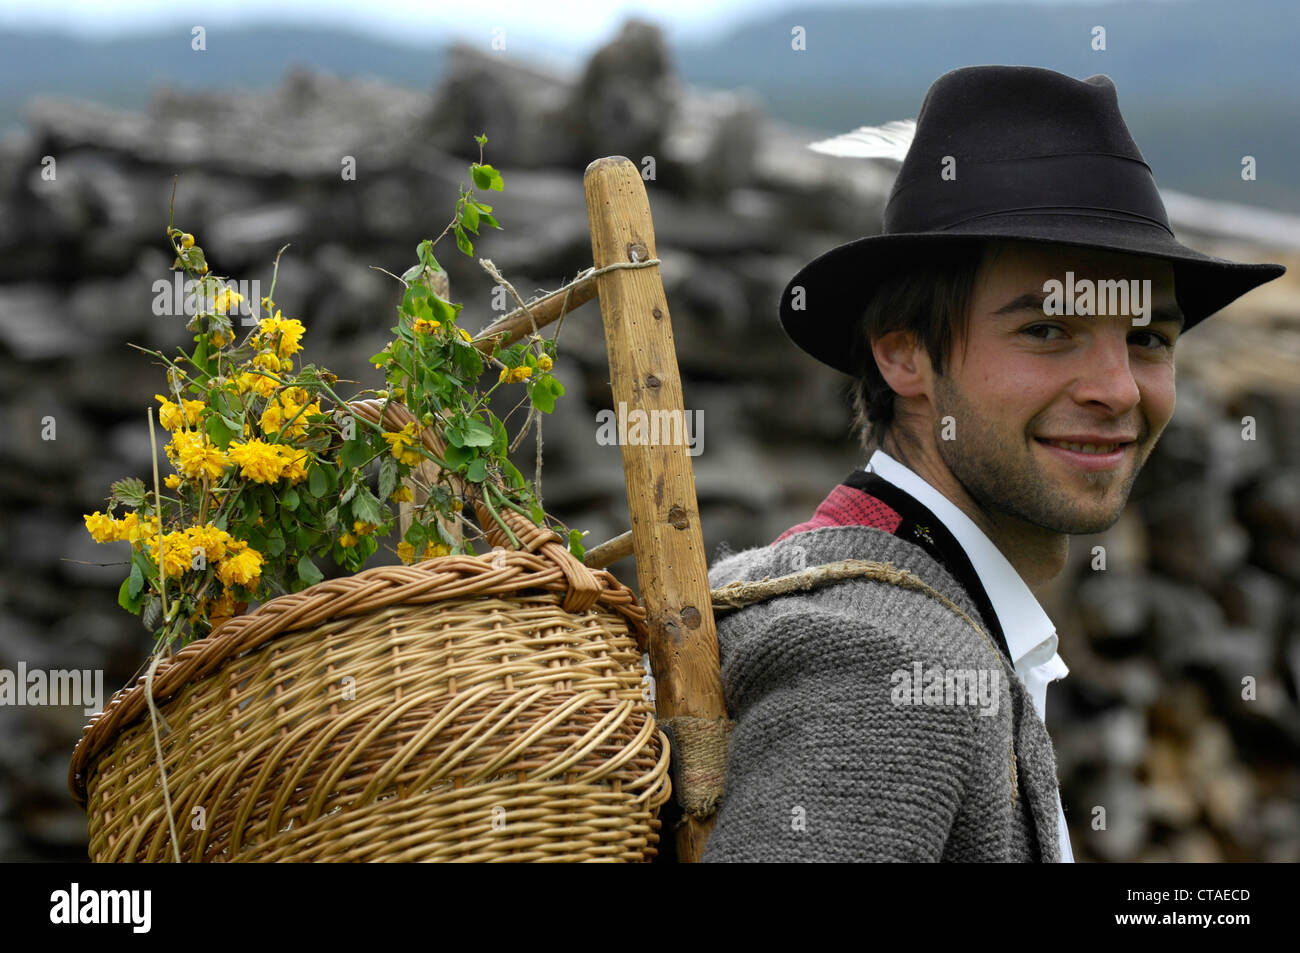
929	298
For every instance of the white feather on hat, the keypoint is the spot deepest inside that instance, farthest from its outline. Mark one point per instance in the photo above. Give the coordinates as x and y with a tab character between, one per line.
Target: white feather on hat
890	141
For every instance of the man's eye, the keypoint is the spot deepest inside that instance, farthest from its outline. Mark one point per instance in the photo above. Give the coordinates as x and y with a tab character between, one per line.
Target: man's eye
1160	340
1034	329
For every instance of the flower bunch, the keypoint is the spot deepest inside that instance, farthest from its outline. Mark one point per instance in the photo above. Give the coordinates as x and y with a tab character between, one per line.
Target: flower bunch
272	470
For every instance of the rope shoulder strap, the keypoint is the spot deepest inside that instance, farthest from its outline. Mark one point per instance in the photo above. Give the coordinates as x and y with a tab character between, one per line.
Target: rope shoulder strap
700	744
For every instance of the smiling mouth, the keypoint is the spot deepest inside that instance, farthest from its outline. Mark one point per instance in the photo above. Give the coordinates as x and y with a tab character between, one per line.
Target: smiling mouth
1096	448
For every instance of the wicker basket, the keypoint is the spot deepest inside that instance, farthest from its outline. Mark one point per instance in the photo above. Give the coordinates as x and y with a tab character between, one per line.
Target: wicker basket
466	708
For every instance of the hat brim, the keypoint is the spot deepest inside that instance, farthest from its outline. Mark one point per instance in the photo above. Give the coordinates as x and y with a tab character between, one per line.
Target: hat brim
838	284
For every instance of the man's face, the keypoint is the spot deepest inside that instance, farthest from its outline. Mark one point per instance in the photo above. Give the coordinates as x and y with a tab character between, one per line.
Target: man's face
1028	381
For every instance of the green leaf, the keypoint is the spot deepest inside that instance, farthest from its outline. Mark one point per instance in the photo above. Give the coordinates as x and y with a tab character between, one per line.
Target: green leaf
487	219
543	394
513	477
424	252
365	507
306	537
317	482
486	177
468	360
289	499
477	471
457	455
538	514
442	309
275	544
135	582
126	600
130	491
308	571
220	431
469	217
500	438
575	543
354	453
463	243
477	433
388	473
416	535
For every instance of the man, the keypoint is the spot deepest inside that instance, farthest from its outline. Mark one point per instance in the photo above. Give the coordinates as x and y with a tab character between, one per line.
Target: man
1010	388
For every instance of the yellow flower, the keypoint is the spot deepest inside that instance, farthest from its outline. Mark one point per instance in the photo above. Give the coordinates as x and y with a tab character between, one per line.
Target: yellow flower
364	529
347	540
221	609
215	542
187	240
103	528
197	456
284	408
220	338
464	334
505	373
226	299
273	417
171	481
176	553
402	495
287	331
522	372
260	384
424	326
133	529
401	442
242	566
545	362
406	552
294	463
268	361
257	460
170	416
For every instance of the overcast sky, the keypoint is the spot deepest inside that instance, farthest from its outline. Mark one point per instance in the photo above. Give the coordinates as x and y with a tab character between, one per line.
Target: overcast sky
564	24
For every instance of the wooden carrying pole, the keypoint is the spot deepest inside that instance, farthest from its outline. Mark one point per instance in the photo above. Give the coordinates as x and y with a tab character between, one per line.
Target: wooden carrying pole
671	562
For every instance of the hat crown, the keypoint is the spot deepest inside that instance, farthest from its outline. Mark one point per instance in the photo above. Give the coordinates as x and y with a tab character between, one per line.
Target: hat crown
1021	117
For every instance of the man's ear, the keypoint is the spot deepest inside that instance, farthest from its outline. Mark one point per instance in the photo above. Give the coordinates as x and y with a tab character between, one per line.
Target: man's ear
903	363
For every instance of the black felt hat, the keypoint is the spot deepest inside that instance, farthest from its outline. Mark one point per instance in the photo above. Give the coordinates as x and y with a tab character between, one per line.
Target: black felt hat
1031	154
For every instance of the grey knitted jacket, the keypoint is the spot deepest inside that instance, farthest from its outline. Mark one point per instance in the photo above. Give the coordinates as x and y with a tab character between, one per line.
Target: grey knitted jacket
830	760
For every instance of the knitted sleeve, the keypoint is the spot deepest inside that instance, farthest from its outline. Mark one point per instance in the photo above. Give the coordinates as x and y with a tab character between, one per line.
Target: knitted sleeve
829	760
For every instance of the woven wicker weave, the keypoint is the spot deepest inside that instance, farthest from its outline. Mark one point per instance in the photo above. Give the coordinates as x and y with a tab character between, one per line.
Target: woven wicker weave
472	708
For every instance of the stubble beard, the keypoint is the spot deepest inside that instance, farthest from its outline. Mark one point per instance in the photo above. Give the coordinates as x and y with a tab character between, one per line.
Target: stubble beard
1001	474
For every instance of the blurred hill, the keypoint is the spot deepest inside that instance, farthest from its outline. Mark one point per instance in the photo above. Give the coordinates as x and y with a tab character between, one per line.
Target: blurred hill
1180	67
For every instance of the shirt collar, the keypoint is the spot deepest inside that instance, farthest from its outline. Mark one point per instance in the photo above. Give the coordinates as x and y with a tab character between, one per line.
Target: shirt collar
1030	634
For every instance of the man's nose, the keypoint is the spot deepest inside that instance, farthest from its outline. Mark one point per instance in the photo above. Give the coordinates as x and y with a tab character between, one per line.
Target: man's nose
1105	373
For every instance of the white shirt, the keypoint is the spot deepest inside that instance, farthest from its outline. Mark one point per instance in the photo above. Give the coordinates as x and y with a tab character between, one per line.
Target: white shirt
1031	635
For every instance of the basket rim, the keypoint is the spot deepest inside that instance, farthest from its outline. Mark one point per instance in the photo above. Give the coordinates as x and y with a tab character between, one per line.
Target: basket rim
501	572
